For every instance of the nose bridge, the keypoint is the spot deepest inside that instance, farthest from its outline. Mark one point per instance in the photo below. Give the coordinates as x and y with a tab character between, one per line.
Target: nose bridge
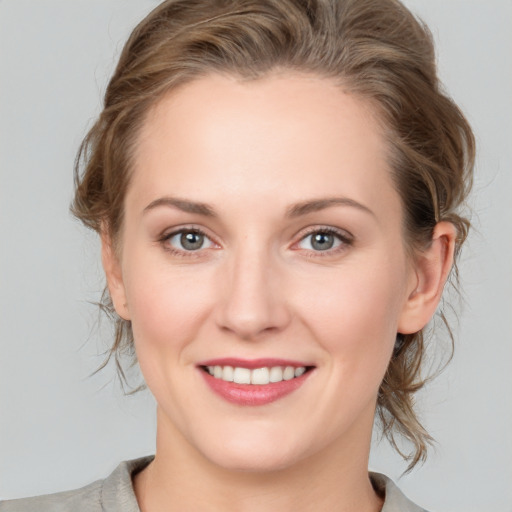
253	300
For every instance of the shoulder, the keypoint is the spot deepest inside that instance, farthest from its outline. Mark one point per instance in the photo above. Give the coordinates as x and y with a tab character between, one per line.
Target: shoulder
395	500
86	498
112	494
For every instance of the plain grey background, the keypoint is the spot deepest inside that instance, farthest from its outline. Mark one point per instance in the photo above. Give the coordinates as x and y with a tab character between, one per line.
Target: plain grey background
60	429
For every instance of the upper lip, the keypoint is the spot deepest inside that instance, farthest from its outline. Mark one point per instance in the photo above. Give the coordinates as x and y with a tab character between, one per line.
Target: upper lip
252	363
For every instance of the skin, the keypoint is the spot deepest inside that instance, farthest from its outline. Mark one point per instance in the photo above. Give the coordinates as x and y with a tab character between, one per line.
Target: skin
257	288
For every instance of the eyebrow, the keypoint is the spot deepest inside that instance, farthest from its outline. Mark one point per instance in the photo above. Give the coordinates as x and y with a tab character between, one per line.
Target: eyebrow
321	204
293	211
183	205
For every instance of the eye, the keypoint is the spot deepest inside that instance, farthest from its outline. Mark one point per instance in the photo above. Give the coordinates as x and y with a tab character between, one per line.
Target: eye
188	240
324	239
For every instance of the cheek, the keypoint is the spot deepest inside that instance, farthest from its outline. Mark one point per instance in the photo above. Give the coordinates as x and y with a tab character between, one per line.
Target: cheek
167	304
354	313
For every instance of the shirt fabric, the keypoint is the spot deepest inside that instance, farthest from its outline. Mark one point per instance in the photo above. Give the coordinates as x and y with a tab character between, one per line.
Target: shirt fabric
115	494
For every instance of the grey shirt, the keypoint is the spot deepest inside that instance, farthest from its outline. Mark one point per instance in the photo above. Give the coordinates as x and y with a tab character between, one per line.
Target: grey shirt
115	494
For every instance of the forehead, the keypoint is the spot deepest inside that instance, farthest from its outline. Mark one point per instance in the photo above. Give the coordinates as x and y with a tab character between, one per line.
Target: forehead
298	135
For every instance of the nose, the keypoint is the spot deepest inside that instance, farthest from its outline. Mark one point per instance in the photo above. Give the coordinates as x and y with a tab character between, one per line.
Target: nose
254	299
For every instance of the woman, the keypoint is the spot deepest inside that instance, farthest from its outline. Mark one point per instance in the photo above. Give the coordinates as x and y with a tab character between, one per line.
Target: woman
276	185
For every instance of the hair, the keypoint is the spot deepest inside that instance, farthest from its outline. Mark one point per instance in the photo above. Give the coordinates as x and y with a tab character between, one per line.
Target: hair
375	49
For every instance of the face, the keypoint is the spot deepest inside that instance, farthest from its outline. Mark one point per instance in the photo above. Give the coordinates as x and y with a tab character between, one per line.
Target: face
262	242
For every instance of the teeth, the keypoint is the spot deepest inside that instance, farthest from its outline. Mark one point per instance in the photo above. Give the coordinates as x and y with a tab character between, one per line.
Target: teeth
276	374
227	373
289	373
242	376
258	376
299	371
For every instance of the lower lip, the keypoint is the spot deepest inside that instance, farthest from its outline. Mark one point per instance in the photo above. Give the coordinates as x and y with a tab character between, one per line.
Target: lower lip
252	394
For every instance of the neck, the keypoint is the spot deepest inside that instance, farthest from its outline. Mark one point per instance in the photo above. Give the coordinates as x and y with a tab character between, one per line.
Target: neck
181	478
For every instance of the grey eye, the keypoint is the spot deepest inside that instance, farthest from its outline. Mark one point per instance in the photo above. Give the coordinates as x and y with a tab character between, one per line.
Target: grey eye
320	241
190	241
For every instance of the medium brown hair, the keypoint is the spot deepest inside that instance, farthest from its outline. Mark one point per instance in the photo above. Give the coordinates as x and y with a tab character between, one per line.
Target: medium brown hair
375	49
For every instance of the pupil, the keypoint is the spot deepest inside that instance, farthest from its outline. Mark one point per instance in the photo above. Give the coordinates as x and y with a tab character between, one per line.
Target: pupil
192	241
322	241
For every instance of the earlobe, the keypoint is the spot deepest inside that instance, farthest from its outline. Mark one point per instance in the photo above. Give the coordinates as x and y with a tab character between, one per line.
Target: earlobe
432	267
113	273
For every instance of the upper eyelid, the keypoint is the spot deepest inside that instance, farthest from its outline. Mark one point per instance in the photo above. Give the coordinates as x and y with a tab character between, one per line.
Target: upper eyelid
342	233
169	233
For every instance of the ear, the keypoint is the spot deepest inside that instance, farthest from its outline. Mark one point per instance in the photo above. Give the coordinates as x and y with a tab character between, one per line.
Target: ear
114	275
432	267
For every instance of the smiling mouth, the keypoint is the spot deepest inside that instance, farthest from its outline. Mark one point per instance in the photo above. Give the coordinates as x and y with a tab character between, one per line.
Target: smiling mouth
254	382
256	376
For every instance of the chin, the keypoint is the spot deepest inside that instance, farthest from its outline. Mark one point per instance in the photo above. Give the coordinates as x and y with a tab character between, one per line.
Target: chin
254	462
252	455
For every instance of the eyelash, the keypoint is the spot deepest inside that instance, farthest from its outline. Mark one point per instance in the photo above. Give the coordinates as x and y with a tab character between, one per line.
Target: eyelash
345	238
183	253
